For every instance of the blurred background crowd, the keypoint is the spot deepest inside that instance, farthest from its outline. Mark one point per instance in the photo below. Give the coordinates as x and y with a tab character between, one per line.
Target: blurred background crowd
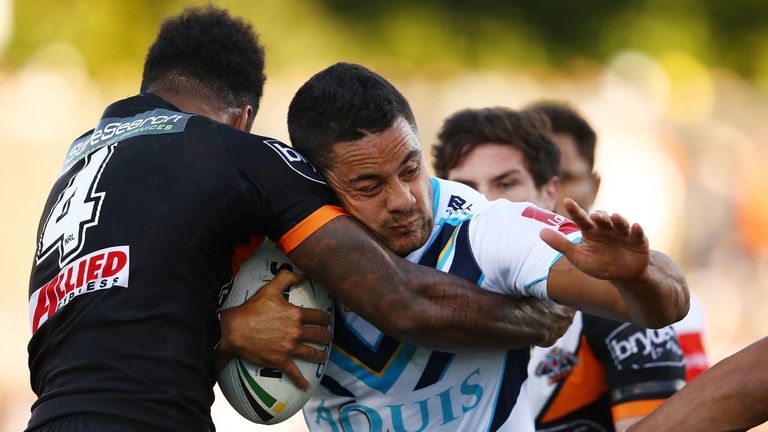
676	91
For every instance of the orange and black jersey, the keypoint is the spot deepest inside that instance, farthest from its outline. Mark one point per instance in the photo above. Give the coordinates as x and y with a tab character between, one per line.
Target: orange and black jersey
135	244
602	371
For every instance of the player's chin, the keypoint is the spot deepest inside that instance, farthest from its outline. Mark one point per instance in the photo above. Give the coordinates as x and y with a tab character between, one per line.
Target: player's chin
404	244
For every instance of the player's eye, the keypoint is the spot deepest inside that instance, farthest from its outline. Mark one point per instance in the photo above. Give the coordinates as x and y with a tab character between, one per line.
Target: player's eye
506	185
411	171
371	189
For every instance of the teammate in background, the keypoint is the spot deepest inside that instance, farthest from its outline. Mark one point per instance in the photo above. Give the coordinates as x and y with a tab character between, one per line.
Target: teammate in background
602	372
576	141
730	396
139	239
360	132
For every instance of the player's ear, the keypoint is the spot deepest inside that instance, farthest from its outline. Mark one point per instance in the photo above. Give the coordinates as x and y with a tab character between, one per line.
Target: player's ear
549	192
244	118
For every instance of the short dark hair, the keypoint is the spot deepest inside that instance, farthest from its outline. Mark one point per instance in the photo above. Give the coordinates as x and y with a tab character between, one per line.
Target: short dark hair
206	51
566	120
526	131
344	102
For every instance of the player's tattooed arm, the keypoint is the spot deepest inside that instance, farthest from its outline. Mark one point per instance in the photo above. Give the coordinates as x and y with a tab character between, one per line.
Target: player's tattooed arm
418	304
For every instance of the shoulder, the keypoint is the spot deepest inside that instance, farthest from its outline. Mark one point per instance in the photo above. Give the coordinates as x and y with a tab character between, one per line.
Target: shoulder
267	155
522	216
228	134
455	201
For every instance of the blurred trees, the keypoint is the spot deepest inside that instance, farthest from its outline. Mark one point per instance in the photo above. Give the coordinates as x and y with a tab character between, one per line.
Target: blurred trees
426	35
730	34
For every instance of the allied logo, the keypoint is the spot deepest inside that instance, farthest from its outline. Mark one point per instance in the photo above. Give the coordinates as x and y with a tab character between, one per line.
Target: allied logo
295	161
96	271
556	365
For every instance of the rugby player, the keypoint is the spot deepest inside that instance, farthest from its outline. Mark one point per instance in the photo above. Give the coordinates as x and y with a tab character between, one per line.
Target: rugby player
360	132
602	373
579	181
141	234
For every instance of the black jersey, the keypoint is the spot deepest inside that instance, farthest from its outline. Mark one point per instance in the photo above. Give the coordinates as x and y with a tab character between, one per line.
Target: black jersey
602	371
135	244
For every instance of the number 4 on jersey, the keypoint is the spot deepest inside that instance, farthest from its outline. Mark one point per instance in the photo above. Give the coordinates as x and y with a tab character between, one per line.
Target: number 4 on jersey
76	209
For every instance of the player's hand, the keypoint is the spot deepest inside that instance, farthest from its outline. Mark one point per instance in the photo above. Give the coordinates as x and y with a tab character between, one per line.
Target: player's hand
555	319
610	248
269	331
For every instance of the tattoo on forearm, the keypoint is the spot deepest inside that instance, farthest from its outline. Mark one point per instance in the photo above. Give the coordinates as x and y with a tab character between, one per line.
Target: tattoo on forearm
374	282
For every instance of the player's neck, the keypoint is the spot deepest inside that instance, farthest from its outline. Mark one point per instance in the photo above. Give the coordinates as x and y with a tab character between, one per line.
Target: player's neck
199	106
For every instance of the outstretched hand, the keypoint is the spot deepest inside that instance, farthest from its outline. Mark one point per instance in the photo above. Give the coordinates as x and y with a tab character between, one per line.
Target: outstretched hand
610	248
269	331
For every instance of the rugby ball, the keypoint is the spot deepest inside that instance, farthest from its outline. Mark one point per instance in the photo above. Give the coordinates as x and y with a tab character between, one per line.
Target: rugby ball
265	395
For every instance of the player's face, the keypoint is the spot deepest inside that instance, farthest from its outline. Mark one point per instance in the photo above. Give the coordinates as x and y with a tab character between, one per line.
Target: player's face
577	181
499	171
381	180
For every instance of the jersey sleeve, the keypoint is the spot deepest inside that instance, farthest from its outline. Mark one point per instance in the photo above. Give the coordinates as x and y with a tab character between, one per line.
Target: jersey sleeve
291	198
643	367
506	244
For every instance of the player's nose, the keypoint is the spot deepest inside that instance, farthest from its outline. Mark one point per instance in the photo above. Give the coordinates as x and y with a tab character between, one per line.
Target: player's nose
400	198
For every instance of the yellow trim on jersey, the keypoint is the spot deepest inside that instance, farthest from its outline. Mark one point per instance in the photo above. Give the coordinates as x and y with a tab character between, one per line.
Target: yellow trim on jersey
448	246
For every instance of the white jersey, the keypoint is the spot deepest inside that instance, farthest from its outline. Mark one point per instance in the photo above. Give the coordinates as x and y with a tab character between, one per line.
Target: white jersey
374	382
690	331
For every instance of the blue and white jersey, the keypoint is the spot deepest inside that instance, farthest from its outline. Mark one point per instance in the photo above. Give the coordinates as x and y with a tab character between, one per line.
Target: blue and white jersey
374	382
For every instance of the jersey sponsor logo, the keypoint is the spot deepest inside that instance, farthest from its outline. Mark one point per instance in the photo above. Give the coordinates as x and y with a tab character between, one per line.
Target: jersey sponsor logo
556	365
456	202
432	412
112	130
458	208
295	161
96	271
640	348
563	224
76	209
